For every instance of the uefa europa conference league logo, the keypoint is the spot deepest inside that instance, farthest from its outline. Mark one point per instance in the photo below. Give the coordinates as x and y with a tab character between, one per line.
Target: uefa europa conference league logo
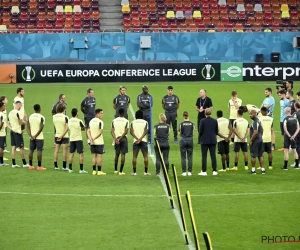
210	72
28	70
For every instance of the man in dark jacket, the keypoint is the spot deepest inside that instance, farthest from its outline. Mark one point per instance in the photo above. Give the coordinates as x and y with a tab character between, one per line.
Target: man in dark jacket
145	102
208	131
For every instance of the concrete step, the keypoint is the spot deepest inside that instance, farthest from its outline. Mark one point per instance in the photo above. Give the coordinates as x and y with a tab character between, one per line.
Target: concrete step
108	28
111	21
110	9
110	3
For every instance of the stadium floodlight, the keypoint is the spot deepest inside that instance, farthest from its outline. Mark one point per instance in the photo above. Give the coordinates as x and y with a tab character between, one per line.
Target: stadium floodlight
166	176
180	204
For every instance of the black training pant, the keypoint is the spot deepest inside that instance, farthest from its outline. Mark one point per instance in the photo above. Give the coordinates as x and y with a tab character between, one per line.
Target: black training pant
165	149
147	118
186	150
172	119
198	126
212	151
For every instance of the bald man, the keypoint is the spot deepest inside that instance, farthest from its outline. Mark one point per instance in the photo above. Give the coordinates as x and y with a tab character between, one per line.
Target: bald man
202	103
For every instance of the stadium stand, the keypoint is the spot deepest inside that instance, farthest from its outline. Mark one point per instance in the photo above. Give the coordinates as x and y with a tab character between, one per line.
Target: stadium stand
210	16
39	16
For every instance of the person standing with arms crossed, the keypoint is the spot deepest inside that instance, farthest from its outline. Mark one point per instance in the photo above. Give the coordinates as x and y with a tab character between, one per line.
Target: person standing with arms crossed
119	130
76	143
121	101
88	106
22	113
16	136
284	103
256	143
223	137
202	103
61	99
186	132
291	130
95	134
170	103
233	105
269	103
297	139
145	102
292	101
208	132
161	133
35	126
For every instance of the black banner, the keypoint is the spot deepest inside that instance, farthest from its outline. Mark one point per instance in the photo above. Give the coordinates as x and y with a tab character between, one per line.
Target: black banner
32	73
271	71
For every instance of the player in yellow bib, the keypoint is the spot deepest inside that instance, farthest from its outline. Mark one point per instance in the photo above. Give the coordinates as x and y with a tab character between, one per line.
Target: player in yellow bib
139	129
2	133
35	126
95	134
233	105
76	143
241	131
4	100
15	123
60	121
119	130
267	125
223	137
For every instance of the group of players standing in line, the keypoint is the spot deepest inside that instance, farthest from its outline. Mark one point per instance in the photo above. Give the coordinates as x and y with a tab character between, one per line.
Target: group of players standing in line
211	132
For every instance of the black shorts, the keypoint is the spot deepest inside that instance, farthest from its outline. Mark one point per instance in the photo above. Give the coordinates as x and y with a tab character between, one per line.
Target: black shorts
256	149
122	148
76	145
62	141
97	149
37	144
16	140
22	127
267	147
87	121
287	142
231	121
240	145
143	146
2	142
223	147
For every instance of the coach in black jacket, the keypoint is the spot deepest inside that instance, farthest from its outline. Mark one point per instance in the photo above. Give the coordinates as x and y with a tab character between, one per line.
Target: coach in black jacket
208	140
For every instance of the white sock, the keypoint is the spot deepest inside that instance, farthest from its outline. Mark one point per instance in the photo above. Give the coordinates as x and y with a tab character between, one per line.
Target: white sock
253	169
262	169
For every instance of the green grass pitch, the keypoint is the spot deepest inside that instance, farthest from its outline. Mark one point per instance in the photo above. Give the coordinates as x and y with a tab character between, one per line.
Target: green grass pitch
58	210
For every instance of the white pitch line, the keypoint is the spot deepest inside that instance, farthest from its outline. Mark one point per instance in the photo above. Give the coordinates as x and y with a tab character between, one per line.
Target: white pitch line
87	195
148	195
245	194
175	210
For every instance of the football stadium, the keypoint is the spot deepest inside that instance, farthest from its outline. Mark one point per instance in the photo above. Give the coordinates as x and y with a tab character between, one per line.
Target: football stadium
108	110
